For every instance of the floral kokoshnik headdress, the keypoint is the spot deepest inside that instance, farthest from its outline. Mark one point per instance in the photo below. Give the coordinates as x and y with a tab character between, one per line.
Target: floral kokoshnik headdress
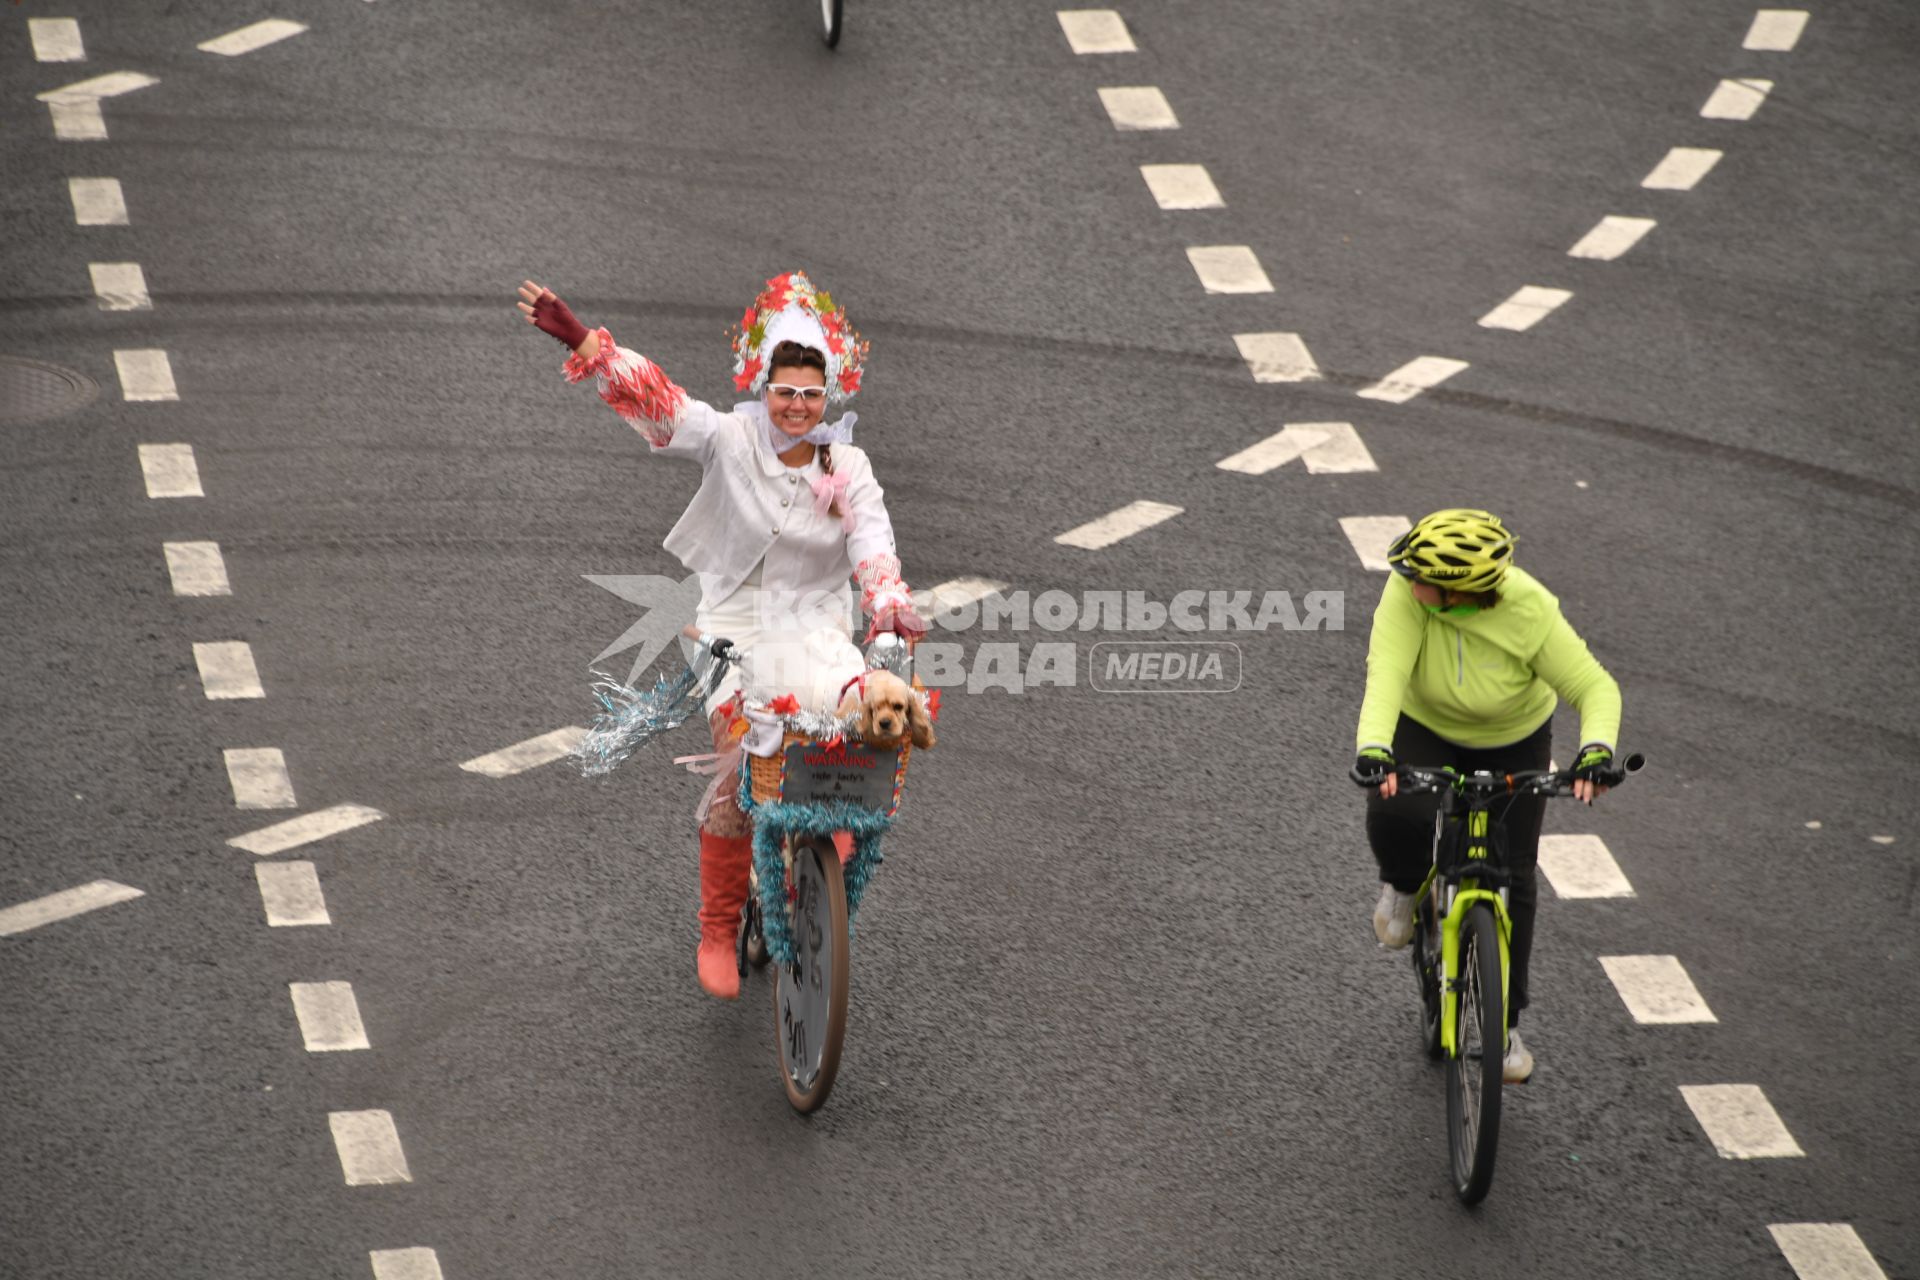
790	309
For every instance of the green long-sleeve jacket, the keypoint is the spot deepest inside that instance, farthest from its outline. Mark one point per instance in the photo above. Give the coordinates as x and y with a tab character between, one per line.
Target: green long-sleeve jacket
1484	680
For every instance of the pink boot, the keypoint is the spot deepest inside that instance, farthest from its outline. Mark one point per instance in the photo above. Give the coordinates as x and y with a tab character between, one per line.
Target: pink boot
723	892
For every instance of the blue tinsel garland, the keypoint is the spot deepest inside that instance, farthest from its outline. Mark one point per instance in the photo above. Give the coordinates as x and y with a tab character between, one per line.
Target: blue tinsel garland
772	821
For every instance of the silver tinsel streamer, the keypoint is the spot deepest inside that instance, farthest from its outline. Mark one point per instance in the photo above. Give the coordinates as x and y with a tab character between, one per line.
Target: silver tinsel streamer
630	718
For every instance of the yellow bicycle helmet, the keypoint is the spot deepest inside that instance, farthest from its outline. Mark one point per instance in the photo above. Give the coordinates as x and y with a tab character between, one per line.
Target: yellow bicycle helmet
1460	549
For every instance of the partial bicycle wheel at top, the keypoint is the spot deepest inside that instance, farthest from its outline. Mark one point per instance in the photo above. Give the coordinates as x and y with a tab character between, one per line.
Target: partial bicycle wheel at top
830	22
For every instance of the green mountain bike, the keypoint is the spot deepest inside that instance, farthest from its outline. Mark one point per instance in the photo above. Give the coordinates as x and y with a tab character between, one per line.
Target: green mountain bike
1461	934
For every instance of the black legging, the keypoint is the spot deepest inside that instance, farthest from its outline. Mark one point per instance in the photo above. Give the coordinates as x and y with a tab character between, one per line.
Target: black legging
1401	829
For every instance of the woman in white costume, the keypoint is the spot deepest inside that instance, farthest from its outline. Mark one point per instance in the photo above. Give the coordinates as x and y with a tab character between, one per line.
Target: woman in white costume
787	511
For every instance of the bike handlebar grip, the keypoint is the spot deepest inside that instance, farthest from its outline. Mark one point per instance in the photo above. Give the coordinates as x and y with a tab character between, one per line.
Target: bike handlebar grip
693	633
1633	763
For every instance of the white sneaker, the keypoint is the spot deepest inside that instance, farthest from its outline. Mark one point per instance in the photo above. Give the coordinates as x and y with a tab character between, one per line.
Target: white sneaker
1393	918
1517	1066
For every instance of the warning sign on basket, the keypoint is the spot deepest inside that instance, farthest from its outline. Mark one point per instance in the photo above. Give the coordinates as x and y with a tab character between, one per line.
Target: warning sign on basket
851	771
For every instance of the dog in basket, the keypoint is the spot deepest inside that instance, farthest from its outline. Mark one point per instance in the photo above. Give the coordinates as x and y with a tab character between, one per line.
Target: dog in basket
891	714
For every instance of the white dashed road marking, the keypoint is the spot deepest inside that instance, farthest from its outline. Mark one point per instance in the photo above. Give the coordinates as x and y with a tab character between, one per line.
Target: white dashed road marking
197	569
290	892
1740	1122
307	828
1881	839
1611	238
1370	537
1736	99
259	778
56	40
119	286
1124	523
956	594
1277	357
530	754
81	121
170	471
1825	1251
1656	989
1326	447
405	1264
1581	867
1095	31
97	202
1182	186
64	905
329	1016
145	374
1681	169
1529	305
227	670
256	35
369	1147
1133	108
76	107
1775	30
1422	373
1228	268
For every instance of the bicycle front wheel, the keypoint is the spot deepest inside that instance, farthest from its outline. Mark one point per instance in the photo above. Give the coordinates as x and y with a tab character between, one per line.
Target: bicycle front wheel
1473	1073
1426	972
810	995
830	22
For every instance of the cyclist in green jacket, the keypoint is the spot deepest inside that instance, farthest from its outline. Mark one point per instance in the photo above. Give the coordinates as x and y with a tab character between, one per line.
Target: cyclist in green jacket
1468	658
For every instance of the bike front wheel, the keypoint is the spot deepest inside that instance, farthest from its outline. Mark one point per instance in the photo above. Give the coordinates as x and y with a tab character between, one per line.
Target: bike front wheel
1426	972
1473	1072
830	22
810	995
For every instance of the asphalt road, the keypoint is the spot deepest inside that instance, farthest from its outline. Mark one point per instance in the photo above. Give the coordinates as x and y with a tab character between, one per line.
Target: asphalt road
1118	1010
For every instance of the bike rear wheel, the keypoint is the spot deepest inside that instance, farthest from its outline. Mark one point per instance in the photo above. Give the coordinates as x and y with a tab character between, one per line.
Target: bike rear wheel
1473	1073
810	995
830	22
1426	972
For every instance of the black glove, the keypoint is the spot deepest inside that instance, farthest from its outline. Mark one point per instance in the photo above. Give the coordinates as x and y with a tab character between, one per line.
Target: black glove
1594	760
1371	767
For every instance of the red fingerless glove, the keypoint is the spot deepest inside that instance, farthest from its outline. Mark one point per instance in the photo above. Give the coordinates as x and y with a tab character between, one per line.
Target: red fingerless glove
552	316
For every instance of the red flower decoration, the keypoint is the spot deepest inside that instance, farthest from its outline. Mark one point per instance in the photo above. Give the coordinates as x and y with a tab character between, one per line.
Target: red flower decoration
744	379
784	705
849	380
746	321
933	704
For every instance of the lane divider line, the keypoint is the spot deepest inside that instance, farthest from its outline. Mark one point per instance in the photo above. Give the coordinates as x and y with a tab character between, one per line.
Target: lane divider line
1422	373
531	754
1228	268
1370	536
1825	1251
97	202
305	829
956	594
256	35
1277	357
1115	525
56	40
64	905
329	1016
1529	305
290	894
1182	186
196	569
145	374
1095	31
405	1264
1736	99
369	1147
119	286
1656	989
1740	1122
1681	169
170	471
75	108
1611	236
1775	30
1580	866
259	778
227	670
1137	108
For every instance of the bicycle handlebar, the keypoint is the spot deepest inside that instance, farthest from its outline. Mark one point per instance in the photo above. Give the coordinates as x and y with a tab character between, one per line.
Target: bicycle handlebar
1415	780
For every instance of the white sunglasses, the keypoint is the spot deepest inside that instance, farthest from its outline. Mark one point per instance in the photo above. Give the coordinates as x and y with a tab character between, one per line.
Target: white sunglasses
811	395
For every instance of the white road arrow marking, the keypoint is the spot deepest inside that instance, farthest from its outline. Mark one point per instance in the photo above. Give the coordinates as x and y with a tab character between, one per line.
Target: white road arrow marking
76	107
1371	536
307	828
1327	447
1276	357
